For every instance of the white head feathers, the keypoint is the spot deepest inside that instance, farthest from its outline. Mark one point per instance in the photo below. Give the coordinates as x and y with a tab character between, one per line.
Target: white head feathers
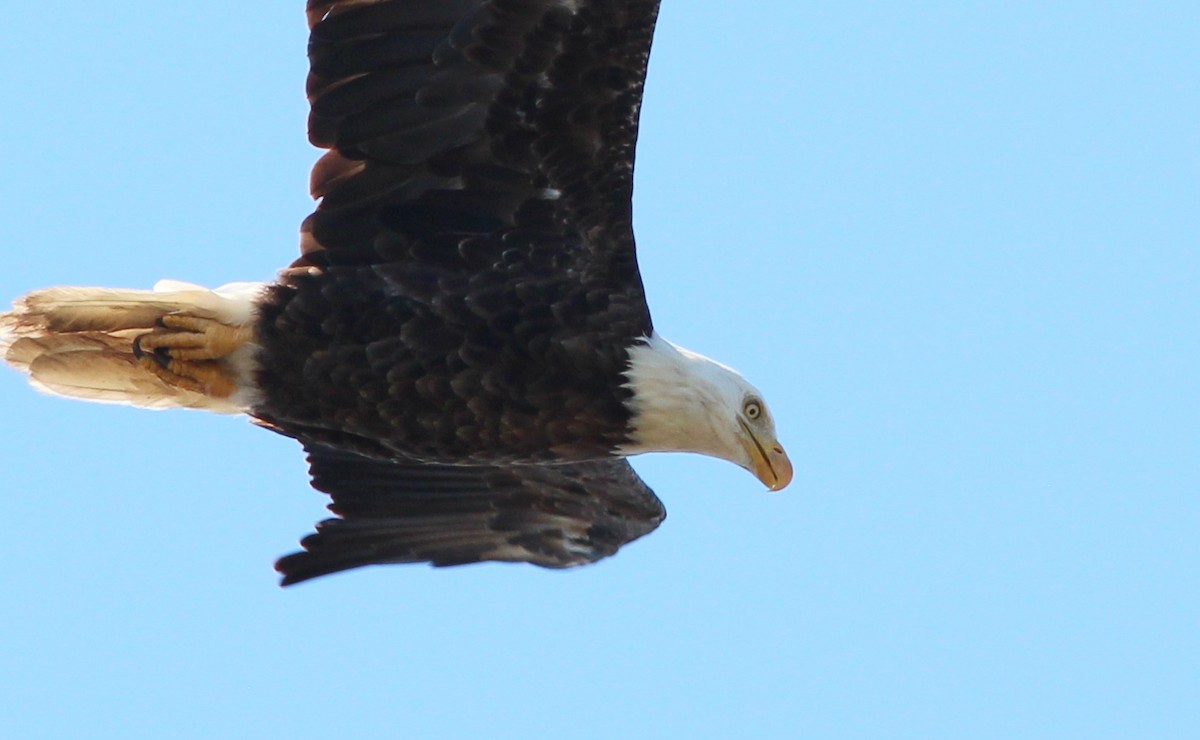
685	402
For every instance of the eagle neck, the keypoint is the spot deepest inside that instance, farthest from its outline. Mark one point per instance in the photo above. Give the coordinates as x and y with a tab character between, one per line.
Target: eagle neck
670	401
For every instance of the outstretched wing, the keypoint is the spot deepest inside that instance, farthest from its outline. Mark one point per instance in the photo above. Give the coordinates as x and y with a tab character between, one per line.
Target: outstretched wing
554	516
451	119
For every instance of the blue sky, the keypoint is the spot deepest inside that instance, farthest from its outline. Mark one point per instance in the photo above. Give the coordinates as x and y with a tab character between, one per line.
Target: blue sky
955	244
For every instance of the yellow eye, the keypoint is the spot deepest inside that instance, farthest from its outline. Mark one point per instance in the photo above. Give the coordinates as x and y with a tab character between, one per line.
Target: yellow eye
752	409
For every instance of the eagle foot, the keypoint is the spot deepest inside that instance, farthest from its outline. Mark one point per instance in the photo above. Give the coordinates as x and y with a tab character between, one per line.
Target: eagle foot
186	352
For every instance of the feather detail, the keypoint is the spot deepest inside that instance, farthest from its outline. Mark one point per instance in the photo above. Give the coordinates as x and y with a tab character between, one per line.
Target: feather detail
79	342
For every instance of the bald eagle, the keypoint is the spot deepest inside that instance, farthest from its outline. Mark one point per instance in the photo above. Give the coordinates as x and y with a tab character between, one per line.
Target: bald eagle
463	347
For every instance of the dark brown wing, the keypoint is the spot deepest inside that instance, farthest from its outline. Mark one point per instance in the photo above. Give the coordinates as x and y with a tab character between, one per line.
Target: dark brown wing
554	516
469	117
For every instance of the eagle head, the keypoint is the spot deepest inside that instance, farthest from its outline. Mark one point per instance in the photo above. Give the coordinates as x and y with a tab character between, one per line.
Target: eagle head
685	402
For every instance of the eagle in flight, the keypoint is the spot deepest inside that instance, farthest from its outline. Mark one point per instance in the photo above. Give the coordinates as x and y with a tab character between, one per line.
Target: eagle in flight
463	347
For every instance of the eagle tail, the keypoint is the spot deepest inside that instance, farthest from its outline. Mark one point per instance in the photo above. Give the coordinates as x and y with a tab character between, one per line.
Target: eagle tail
88	343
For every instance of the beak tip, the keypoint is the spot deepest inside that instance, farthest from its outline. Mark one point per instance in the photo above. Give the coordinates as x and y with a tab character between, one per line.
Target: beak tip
783	473
777	476
779	484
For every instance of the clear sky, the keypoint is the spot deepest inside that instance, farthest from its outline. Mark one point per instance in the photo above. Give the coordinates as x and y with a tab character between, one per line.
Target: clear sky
957	246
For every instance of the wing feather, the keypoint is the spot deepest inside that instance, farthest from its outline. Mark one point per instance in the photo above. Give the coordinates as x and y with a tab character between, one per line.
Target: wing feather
417	99
555	516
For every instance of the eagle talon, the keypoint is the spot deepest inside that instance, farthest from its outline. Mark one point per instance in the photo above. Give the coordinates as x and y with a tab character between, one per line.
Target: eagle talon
187	352
206	377
159	355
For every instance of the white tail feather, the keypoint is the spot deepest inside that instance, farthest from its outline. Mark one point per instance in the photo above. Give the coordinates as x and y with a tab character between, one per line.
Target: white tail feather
78	342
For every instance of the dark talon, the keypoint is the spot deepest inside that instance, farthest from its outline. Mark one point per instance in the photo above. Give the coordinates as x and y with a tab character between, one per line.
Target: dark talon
161	355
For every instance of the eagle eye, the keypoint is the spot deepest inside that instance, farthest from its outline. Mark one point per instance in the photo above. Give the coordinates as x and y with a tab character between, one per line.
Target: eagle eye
753	409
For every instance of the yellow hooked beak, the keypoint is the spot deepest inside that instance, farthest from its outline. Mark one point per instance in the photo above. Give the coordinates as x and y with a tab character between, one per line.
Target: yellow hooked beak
769	463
